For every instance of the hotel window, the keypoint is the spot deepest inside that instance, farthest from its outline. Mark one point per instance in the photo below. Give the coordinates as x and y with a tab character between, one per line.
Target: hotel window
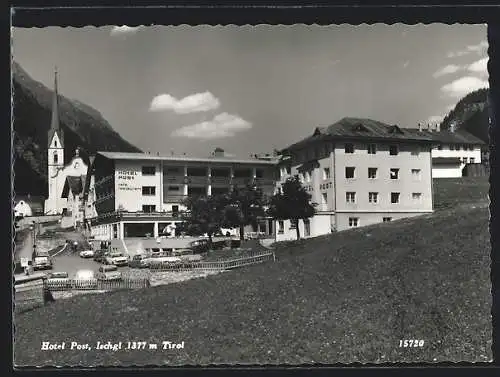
281	227
386	219
175	211
349	172
353	222
471	147
373	197
394	173
326	173
416	174
259	173
148	190
372	148
471	160
464	147
440	146
308	176
350	197
173	188
393	150
416	196
148	208
349	148
372	173
415	151
307	227
464	160
394	197
148	170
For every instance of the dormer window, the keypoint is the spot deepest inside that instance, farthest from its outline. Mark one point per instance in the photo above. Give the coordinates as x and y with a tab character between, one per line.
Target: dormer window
395	129
361	128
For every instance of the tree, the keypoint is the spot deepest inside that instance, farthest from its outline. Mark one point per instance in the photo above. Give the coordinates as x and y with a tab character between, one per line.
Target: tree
246	205
292	202
205	213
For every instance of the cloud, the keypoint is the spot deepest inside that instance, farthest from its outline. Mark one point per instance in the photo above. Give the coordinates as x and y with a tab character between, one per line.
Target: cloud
221	126
191	104
406	64
446	70
124	29
463	86
478	48
479	66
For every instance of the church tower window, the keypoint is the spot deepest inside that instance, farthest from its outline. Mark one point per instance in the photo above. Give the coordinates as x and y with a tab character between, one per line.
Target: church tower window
55	157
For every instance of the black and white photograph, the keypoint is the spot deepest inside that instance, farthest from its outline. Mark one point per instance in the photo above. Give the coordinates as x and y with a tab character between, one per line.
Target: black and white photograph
251	195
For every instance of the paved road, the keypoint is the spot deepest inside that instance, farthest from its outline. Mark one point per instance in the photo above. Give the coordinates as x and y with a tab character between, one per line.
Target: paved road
71	263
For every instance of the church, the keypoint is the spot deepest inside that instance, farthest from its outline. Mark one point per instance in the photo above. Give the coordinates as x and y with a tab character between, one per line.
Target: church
69	182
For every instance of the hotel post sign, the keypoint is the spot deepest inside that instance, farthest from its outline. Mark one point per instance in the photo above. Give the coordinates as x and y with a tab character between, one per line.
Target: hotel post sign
126	180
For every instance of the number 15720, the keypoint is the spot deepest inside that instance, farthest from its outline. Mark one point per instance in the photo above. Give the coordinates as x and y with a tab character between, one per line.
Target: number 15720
407	343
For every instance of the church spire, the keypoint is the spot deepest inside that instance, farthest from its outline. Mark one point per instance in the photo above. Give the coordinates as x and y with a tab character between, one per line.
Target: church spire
54	123
55	127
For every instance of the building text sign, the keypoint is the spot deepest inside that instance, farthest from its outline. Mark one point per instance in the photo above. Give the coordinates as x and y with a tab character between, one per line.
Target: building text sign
125	177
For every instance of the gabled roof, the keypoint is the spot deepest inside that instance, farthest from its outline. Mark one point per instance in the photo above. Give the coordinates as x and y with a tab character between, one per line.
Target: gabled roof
73	184
363	129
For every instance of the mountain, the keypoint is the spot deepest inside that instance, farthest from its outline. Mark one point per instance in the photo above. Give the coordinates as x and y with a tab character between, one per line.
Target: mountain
82	125
470	114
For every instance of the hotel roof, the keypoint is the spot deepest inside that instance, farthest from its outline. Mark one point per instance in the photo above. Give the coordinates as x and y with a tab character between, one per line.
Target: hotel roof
218	159
368	129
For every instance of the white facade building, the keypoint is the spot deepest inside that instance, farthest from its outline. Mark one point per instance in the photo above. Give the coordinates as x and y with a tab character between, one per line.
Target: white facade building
138	195
359	172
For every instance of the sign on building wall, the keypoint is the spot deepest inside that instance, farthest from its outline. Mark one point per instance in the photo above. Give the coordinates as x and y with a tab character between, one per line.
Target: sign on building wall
126	180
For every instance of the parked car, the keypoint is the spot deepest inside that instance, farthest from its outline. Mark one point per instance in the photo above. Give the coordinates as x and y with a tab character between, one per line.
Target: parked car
87	253
42	261
99	255
116	258
164	261
108	273
61	279
86	279
199	246
139	261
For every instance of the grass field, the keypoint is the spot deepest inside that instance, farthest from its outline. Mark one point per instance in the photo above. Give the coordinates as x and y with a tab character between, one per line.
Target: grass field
342	298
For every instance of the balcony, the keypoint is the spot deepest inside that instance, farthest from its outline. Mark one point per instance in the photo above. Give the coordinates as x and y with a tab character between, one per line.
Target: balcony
264	181
197	180
175	198
220	181
176	179
241	181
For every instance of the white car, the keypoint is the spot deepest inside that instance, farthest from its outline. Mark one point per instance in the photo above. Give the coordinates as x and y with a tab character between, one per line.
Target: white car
108	273
116	258
87	254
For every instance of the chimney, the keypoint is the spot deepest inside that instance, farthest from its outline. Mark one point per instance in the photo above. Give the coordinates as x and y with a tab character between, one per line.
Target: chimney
429	128
438	127
157	153
218	152
171	152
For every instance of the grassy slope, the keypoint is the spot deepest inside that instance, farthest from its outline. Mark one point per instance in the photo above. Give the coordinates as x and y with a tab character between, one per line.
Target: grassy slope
340	298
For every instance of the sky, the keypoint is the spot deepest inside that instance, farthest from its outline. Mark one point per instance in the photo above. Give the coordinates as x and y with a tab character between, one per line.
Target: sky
189	89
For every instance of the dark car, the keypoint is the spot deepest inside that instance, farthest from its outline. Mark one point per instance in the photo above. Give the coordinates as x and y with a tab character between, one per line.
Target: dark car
199	246
100	255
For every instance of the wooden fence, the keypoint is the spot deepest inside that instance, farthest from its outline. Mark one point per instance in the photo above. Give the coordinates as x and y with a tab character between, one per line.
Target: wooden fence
213	266
94	284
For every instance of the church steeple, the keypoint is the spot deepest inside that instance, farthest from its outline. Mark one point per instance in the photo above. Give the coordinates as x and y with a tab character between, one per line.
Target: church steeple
55	127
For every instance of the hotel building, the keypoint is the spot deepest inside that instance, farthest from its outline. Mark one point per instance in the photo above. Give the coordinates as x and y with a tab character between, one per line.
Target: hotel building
140	195
359	172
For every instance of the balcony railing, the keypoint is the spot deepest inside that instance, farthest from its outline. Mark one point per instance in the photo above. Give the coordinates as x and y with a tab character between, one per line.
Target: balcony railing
222	181
197	180
175	198
241	180
264	181
174	179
